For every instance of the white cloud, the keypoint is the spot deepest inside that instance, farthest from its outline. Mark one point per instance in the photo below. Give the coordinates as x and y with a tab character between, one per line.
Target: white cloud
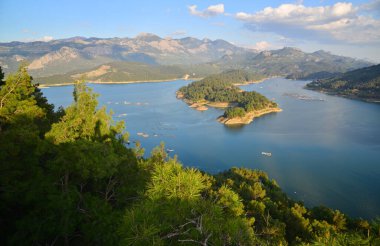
42	39
341	21
263	45
46	38
293	13
212	10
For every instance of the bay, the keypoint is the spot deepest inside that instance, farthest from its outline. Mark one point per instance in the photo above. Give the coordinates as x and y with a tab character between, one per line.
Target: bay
325	149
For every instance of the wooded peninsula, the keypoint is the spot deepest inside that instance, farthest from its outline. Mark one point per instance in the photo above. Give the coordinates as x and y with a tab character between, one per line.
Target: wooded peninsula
221	91
363	84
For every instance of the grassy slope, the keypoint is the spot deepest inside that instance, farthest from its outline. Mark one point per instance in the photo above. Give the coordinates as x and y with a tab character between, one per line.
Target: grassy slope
134	71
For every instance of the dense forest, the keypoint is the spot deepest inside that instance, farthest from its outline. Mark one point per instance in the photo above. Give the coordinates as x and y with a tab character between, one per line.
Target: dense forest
362	83
221	88
68	177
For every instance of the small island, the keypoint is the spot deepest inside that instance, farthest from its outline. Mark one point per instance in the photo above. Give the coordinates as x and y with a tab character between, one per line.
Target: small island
221	91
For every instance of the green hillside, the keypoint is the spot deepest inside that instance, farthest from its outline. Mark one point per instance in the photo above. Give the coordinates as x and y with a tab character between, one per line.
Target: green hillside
362	83
131	71
70	178
118	72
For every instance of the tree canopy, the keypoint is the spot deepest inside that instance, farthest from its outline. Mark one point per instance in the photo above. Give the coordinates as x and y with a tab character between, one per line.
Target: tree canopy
361	83
67	177
221	88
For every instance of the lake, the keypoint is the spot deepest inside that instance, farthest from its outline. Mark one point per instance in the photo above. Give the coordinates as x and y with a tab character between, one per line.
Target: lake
325	149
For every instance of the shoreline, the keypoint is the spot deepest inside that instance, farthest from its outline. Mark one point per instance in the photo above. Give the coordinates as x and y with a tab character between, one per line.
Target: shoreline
204	104
252	82
116	82
248	118
352	97
257	81
145	81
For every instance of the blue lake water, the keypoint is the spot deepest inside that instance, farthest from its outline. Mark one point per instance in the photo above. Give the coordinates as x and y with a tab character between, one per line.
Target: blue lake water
325	151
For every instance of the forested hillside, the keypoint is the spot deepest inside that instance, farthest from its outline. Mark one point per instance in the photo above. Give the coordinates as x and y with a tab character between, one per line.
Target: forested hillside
68	177
122	71
118	72
362	83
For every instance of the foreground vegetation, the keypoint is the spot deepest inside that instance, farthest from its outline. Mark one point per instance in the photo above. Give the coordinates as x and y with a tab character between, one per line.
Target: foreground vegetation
362	83
67	178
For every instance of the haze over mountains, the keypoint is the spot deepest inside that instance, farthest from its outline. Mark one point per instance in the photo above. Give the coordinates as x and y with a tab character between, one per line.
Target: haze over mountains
68	58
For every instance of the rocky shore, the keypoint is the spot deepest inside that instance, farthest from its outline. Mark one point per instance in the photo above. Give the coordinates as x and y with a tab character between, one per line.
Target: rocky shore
248	118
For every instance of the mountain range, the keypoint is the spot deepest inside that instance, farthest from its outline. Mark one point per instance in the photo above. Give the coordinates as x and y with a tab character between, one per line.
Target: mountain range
66	58
65	55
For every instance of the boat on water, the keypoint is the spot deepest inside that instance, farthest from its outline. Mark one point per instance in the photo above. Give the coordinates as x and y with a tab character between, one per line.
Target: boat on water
169	150
142	134
121	115
266	154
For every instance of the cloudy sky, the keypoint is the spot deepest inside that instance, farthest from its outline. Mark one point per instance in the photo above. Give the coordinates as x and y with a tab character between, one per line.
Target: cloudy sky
350	28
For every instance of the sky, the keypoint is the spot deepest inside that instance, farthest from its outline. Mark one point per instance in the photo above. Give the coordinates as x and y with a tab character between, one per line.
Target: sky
350	28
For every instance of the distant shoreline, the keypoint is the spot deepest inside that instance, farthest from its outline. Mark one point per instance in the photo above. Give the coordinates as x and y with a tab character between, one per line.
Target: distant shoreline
116	82
256	81
146	81
352	97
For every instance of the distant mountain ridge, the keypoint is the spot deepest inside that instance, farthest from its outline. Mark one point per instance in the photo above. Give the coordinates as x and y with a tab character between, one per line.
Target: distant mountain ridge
292	63
65	56
54	57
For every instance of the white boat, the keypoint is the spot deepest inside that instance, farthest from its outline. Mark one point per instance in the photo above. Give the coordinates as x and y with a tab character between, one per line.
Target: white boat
121	115
266	154
169	150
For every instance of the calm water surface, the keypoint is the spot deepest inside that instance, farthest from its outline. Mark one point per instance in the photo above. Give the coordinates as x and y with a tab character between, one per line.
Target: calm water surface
324	151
